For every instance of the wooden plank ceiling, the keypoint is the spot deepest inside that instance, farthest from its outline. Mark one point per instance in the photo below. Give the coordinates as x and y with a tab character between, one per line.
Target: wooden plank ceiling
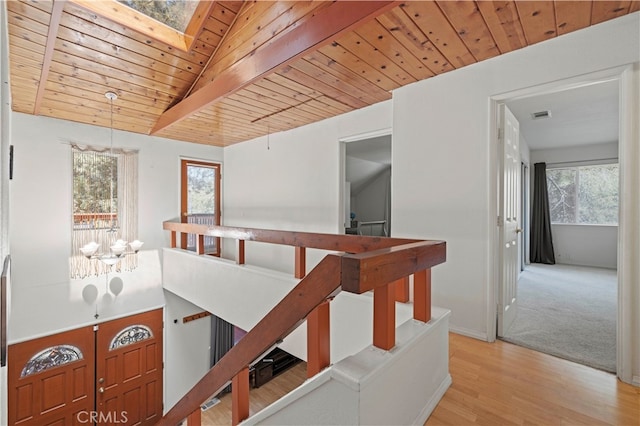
259	67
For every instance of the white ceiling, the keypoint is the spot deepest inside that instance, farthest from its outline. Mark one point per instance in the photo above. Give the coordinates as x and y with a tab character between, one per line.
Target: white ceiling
582	116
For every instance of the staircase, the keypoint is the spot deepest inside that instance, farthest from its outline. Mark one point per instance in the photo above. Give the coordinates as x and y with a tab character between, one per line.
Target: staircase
380	266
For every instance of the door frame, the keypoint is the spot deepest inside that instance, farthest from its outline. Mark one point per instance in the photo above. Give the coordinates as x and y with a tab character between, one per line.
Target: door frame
525	211
184	163
628	312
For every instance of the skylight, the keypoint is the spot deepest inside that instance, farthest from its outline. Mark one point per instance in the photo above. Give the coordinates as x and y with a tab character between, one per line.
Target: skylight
175	13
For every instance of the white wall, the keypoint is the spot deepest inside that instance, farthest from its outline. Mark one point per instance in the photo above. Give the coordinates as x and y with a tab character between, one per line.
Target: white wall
294	185
257	290
5	131
579	154
574	244
525	151
41	191
442	152
45	300
444	183
186	350
374	387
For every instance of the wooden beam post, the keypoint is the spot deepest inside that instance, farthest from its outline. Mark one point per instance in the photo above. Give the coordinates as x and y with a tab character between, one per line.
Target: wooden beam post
173	239
52	35
240	396
319	30
240	247
195	418
384	316
301	262
199	243
402	290
183	240
422	295
318	339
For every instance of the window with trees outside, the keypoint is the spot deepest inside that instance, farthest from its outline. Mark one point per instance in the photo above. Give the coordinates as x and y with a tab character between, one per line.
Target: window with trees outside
105	200
583	195
175	13
200	202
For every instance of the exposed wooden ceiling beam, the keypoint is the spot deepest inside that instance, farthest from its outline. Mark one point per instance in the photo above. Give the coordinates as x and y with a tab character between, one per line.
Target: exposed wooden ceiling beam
52	35
328	24
196	24
204	68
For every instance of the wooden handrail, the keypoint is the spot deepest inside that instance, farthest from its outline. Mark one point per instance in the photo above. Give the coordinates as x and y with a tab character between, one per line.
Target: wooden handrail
366	271
367	263
316	287
343	243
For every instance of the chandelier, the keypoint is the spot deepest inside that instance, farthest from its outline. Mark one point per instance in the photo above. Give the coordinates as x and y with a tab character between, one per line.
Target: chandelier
119	248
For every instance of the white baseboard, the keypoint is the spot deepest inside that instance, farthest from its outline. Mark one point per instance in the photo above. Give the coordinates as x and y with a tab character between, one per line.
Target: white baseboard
433	401
635	381
469	333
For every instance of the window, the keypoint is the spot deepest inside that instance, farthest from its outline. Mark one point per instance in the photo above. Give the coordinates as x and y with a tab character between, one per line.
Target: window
95	190
584	195
105	200
177	23
175	13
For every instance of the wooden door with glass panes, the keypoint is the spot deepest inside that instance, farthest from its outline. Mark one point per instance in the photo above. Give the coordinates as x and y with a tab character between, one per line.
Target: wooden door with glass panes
200	203
50	379
129	370
107	374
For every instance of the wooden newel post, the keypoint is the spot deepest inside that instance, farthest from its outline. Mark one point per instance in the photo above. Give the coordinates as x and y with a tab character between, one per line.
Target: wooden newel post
240	396
318	339
173	239
384	316
422	295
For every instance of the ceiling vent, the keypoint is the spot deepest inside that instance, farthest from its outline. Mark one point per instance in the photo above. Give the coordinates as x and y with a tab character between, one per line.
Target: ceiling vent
541	114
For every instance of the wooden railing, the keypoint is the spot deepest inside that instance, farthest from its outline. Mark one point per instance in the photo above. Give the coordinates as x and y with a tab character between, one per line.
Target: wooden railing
365	263
88	221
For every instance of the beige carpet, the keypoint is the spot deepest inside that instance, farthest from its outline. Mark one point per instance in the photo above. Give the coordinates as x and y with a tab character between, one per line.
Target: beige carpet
569	312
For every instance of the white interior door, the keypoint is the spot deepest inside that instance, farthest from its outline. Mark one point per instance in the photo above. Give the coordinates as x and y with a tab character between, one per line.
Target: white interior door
509	219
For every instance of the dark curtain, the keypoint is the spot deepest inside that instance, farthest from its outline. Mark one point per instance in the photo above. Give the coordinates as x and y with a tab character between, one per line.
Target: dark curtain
221	341
541	249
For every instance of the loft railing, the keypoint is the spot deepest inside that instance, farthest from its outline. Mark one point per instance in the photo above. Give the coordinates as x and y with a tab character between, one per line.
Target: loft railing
380	264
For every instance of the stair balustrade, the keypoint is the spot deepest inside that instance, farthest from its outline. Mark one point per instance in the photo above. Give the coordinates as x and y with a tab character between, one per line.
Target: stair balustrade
379	264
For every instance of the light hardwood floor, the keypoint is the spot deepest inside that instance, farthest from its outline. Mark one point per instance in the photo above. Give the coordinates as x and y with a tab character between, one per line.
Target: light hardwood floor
504	384
498	384
276	388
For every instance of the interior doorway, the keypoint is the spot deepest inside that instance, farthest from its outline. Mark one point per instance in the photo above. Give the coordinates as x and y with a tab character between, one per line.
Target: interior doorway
524	214
586	132
366	185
